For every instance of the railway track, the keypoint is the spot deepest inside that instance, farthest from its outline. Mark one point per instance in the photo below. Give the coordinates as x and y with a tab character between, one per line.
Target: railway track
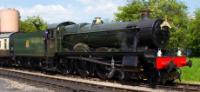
87	85
181	87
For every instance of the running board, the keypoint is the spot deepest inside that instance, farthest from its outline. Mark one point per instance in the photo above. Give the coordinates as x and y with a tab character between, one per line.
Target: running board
106	54
117	66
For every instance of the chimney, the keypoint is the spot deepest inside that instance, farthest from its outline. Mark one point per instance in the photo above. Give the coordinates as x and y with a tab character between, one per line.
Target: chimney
145	14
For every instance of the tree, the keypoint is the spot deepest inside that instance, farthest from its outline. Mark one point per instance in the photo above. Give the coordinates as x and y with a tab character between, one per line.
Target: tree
32	24
194	34
173	9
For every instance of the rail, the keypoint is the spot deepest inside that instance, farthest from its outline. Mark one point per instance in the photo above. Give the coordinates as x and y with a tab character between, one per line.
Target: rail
87	85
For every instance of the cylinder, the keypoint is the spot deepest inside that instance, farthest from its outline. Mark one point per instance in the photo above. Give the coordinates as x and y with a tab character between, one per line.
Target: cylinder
9	20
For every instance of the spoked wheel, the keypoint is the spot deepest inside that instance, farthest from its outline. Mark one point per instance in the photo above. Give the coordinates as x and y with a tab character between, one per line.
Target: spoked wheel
104	72
38	65
18	63
121	75
83	68
29	65
64	67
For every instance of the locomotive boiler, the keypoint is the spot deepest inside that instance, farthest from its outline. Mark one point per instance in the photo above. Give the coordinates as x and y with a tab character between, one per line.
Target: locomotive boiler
125	36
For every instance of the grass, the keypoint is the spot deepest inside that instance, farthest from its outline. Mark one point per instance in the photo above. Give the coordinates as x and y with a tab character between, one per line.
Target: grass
192	75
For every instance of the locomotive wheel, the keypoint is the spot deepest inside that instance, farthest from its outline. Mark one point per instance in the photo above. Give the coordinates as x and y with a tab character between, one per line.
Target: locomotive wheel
121	75
81	47
64	67
82	67
18	63
104	72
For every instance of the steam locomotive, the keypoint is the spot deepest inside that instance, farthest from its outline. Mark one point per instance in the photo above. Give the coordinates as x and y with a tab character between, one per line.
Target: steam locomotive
123	50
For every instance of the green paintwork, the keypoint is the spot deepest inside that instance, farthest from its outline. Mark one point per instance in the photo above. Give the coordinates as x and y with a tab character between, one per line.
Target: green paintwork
103	35
35	40
117	34
90	28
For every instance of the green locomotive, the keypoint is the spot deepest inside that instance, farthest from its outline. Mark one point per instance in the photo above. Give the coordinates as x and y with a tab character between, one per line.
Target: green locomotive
123	50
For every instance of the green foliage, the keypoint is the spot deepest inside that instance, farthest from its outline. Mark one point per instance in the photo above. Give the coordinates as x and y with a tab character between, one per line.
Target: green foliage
32	24
194	71
179	38
174	10
194	34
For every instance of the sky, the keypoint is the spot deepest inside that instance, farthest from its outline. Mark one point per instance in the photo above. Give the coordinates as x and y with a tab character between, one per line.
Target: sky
54	11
